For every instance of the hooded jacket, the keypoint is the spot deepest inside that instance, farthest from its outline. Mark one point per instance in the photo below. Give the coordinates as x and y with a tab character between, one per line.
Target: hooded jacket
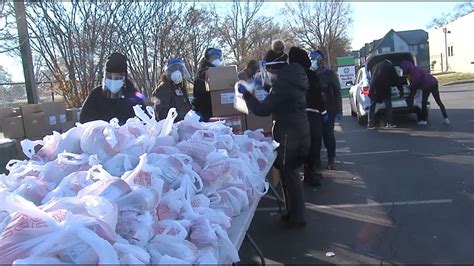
384	77
171	95
100	107
202	98
331	89
314	99
417	77
287	103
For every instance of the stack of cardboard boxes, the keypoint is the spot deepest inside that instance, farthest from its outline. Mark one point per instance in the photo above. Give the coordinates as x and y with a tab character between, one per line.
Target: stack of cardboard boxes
221	86
221	81
34	121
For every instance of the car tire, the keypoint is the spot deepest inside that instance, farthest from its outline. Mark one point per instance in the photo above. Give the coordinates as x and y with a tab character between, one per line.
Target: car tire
362	119
353	113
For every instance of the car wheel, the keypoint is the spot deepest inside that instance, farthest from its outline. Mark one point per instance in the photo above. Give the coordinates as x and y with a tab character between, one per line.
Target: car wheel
362	119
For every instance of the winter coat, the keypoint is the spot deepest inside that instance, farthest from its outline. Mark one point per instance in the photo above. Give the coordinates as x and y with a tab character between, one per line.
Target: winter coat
331	90
383	78
202	98
314	96
418	77
100	107
171	95
287	103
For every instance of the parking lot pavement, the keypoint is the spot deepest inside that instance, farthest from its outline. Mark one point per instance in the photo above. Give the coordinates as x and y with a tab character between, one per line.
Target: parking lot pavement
403	195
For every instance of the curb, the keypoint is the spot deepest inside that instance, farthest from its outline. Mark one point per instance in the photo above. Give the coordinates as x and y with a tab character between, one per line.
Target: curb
459	82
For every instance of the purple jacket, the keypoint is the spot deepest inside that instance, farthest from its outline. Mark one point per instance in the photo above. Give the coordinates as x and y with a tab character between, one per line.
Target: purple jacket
418	77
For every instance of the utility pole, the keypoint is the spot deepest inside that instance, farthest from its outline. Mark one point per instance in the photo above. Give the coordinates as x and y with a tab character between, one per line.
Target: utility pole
446	31
25	50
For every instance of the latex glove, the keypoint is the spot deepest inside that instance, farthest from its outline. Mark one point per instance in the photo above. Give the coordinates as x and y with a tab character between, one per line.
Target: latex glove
325	118
244	87
258	83
338	116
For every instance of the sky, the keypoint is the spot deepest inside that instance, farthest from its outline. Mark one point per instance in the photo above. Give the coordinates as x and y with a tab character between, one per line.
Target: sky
372	20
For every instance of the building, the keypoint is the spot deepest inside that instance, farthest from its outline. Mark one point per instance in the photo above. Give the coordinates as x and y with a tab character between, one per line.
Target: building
451	46
415	41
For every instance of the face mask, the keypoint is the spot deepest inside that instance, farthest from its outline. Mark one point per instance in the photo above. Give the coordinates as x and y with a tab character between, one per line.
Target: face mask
216	62
314	64
177	77
114	86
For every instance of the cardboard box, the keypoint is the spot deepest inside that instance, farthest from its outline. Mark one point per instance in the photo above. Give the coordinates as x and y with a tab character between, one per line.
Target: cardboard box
12	123
258	122
68	125
73	114
273	177
223	103
55	113
222	78
236	122
34	121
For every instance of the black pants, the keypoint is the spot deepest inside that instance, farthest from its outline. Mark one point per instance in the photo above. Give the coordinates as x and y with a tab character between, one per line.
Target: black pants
313	161
292	152
329	137
423	113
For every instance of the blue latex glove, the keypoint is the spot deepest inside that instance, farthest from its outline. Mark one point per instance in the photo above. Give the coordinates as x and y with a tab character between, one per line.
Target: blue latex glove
325	118
242	89
258	83
338	116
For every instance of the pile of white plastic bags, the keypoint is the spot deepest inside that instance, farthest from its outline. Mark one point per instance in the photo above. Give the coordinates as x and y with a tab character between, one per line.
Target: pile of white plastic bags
144	192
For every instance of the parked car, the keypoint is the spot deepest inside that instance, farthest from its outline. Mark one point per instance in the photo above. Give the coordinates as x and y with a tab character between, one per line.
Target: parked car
359	92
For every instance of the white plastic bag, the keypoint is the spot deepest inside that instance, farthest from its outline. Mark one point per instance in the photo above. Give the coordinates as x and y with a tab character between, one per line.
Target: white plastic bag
136	227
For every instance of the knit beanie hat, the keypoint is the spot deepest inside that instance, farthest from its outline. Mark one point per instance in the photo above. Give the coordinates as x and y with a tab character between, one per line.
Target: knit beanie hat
116	63
299	56
276	54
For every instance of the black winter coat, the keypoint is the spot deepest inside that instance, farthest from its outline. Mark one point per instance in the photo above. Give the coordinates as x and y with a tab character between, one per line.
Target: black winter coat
331	90
287	103
314	99
100	107
202	98
383	78
171	95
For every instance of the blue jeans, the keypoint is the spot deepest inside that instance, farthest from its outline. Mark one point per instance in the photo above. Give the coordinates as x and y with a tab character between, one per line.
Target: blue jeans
388	111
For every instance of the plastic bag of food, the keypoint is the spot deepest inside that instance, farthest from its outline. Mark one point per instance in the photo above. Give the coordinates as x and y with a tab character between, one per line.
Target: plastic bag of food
120	163
196	149
131	254
202	233
109	187
136	227
140	199
32	189
174	246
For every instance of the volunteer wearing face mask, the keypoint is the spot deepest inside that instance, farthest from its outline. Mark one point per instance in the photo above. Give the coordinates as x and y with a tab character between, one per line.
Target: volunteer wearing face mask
172	90
331	92
116	97
202	98
287	103
317	116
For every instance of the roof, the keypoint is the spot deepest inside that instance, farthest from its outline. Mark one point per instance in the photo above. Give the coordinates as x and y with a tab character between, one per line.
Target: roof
414	36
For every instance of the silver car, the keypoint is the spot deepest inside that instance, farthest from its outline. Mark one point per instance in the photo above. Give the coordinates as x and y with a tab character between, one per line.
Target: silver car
359	92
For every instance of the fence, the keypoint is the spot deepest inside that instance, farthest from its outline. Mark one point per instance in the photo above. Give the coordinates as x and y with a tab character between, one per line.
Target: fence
14	94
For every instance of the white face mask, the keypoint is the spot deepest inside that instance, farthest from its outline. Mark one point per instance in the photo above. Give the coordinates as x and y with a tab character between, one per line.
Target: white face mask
177	77
114	86
216	62
314	64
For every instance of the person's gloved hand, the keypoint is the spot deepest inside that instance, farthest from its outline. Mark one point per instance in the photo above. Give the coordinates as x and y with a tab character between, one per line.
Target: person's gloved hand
325	118
258	83
242	89
338	116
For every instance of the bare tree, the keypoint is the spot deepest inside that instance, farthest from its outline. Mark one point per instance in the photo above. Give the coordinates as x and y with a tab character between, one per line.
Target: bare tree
74	40
8	33
321	25
237	27
460	10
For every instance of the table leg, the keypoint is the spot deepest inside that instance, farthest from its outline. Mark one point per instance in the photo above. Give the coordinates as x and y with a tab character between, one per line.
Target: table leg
252	242
277	196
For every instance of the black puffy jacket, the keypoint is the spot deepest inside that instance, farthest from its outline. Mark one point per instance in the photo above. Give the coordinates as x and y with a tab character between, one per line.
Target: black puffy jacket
331	89
383	77
100	107
202	98
287	103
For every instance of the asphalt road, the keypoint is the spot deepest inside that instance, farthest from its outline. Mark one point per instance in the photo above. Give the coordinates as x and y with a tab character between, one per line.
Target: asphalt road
402	195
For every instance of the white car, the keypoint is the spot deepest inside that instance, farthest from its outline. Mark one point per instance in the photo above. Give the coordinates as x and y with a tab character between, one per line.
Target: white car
359	92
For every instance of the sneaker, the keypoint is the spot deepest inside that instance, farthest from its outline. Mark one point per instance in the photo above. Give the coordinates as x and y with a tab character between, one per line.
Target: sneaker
331	165
390	126
370	126
446	121
422	123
